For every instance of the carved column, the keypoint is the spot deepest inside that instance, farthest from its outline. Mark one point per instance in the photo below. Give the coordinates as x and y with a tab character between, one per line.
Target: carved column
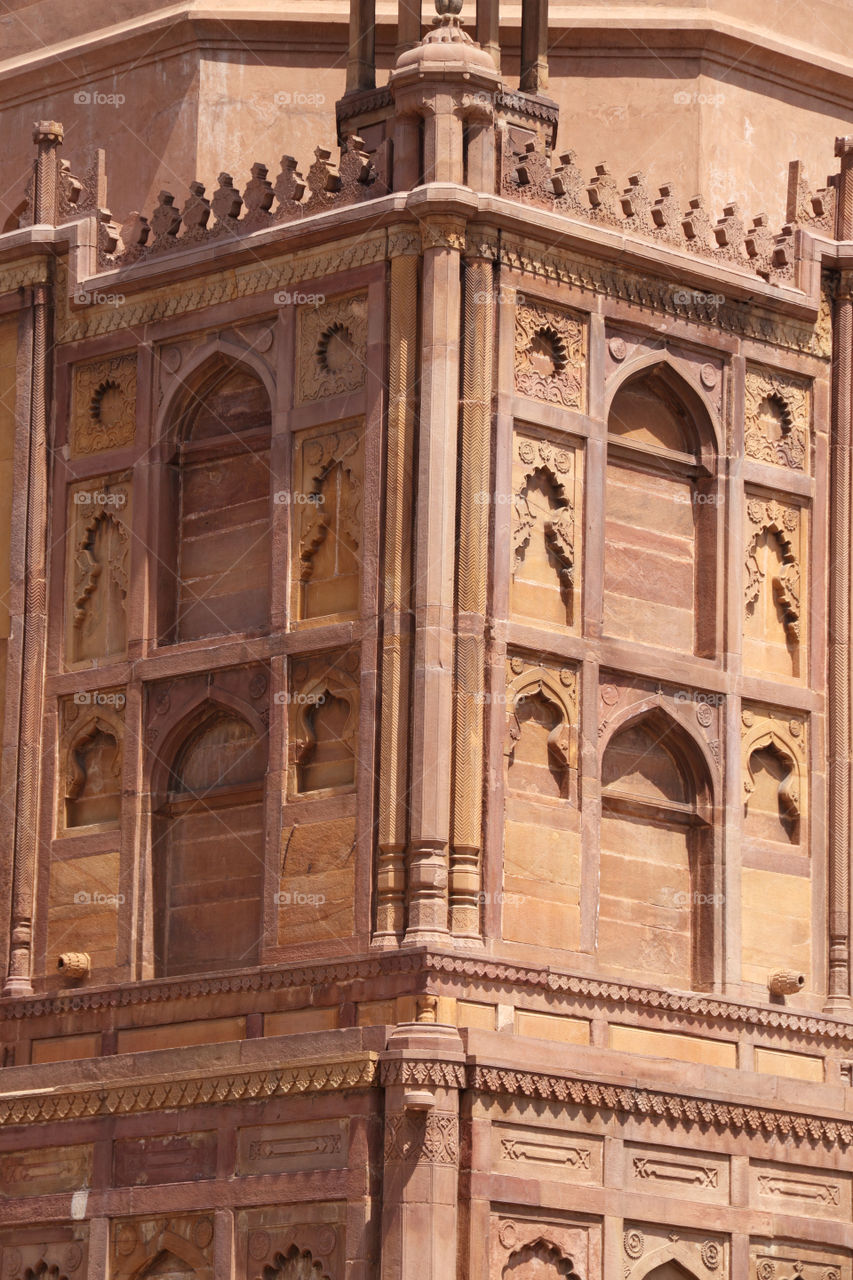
423	1071
432	686
488	29
48	137
397	578
841	532
472	579
361	58
534	46
408	24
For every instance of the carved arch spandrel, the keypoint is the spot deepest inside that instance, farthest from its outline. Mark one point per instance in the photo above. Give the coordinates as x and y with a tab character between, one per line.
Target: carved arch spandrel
539	1260
785	734
295	1264
777	417
550	354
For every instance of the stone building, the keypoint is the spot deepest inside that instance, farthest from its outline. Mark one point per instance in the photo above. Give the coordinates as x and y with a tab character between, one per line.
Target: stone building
425	636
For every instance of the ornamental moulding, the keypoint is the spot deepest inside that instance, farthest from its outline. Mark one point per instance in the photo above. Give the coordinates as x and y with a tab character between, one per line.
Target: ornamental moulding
140	1096
647	1103
426	966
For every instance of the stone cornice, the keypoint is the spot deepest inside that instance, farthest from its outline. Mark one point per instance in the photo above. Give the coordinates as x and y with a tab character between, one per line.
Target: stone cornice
68	1102
653	1104
426	968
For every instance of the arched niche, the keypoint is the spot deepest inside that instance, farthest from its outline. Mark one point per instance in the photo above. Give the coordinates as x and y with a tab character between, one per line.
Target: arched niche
539	1260
324	728
541	743
774	786
656	904
216	571
661	513
93	776
543	536
208	849
295	1264
99	585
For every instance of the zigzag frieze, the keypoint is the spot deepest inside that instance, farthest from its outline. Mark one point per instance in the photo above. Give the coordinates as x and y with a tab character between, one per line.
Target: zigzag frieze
161	304
141	1096
646	1103
742	319
428	965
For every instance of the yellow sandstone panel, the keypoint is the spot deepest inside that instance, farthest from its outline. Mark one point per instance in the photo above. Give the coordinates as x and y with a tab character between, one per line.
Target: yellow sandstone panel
83	909
289	1021
776	924
799	1066
469	1014
550	1026
661	1044
179	1035
541	900
66	1048
317	887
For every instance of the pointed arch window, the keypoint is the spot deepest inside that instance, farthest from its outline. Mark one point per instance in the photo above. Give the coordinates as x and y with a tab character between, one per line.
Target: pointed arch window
661	517
209	848
218	563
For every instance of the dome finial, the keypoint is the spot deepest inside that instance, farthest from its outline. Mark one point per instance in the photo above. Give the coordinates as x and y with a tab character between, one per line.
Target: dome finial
448	8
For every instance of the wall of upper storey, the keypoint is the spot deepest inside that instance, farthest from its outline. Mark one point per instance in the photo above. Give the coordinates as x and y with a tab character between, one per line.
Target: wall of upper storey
712	98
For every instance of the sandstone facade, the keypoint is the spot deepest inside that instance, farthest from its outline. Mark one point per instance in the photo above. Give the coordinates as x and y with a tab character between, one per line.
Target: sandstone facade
426	698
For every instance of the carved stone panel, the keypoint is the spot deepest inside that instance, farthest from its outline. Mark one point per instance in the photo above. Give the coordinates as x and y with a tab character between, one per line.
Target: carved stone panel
326	515
185	1157
649	1247
776	1260
775	595
526	1151
544	1246
97	568
331	348
45	1171
546	527
808	1192
103	407
179	1246
323	722
279	1148
91	740
292	1242
777	416
775	751
689	1175
51	1252
550	354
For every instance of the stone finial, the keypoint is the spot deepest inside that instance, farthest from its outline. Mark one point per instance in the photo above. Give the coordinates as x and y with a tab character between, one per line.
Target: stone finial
134	236
289	189
165	220
666	214
227	202
259	194
636	201
696	225
730	233
195	214
48	131
604	197
570	185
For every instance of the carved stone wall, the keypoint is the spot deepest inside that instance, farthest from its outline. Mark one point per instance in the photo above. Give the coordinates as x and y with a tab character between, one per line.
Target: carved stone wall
327	522
331	347
550	354
777	418
98	550
103	407
546	527
775	586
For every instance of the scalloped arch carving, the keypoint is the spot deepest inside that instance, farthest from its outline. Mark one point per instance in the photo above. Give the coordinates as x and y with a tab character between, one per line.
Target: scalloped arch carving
296	1264
544	534
539	1260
